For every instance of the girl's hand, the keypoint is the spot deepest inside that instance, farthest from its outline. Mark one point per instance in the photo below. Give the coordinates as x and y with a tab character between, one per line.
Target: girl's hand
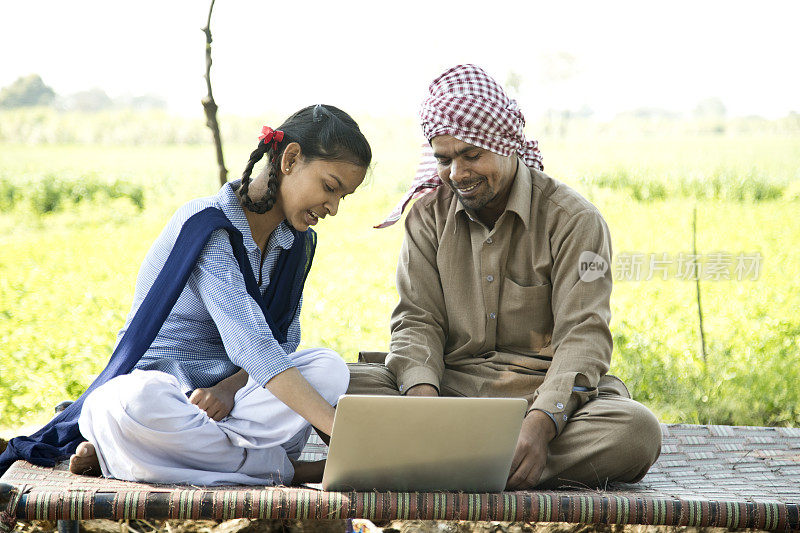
216	401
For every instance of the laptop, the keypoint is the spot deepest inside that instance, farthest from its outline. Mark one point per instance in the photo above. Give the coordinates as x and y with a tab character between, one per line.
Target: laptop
405	444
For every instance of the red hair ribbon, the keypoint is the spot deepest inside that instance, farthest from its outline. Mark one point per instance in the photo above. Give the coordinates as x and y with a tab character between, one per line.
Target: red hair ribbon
269	135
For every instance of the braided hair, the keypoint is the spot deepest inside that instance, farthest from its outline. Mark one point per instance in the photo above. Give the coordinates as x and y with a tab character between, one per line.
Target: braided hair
323	132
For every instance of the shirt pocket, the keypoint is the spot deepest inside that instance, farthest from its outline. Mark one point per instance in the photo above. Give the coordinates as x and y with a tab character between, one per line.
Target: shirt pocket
526	318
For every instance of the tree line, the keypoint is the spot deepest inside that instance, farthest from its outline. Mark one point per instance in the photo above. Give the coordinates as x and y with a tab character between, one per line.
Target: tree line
32	91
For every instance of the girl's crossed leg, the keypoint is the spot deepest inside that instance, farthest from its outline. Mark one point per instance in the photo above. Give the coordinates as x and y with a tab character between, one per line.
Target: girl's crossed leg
145	429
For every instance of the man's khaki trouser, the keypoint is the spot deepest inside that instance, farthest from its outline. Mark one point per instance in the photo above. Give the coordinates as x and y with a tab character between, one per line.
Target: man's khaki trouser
609	438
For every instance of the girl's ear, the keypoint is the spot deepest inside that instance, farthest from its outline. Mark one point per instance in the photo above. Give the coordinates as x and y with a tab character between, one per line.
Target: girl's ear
291	156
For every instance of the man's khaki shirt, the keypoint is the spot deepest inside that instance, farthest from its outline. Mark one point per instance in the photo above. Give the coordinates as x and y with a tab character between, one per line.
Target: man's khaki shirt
504	311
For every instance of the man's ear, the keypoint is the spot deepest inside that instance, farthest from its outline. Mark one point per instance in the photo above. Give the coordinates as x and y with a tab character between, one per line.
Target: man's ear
291	156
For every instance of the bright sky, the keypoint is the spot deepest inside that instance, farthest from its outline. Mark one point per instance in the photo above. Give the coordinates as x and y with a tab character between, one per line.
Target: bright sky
378	56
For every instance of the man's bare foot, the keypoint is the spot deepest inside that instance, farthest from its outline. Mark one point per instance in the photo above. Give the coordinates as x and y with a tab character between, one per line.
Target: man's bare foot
308	471
84	461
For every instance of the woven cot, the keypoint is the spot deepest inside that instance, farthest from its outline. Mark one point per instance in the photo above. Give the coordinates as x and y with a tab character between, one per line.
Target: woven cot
718	476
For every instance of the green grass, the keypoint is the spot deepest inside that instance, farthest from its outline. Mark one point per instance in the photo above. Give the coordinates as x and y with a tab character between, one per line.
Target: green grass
67	274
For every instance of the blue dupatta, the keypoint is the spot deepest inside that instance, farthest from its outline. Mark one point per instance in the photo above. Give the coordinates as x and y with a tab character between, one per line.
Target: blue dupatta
61	436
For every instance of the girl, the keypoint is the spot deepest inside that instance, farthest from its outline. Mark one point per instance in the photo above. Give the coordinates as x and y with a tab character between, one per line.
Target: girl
220	395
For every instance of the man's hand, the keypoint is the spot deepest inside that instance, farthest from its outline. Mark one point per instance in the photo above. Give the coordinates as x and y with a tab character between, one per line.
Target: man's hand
217	401
423	389
531	453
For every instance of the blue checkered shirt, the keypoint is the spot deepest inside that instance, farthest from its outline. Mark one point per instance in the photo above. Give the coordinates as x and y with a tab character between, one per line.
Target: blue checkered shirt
215	327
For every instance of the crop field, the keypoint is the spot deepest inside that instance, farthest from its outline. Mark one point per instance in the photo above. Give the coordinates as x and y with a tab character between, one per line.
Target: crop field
77	219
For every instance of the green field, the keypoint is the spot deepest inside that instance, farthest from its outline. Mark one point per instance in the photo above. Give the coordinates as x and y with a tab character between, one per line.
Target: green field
77	220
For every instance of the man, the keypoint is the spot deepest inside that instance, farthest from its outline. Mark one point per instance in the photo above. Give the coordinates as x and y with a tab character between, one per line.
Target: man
504	291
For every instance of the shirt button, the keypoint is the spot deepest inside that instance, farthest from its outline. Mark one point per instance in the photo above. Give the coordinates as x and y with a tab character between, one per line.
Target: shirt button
565	418
559	405
489	240
492	316
490	278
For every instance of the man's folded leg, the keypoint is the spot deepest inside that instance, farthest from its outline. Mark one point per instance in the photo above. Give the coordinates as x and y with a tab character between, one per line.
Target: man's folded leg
610	438
371	378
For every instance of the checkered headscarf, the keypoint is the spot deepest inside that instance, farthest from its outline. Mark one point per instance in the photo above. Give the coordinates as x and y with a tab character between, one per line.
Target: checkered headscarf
468	104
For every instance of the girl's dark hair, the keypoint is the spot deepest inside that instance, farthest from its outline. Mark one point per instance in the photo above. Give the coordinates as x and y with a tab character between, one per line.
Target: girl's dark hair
323	132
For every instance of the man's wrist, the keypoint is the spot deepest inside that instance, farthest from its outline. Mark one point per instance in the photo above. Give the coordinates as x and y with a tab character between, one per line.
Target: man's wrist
410	377
543	423
559	403
422	389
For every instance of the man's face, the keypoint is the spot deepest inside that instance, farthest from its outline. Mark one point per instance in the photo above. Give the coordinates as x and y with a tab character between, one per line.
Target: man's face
480	178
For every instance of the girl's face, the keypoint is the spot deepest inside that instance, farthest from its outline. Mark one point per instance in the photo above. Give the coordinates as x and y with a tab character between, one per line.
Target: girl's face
311	190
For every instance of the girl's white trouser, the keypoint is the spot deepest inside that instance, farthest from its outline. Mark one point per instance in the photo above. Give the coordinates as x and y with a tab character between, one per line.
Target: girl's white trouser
144	428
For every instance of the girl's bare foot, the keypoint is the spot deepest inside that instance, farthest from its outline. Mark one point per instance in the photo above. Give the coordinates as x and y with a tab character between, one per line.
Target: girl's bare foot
308	471
84	461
